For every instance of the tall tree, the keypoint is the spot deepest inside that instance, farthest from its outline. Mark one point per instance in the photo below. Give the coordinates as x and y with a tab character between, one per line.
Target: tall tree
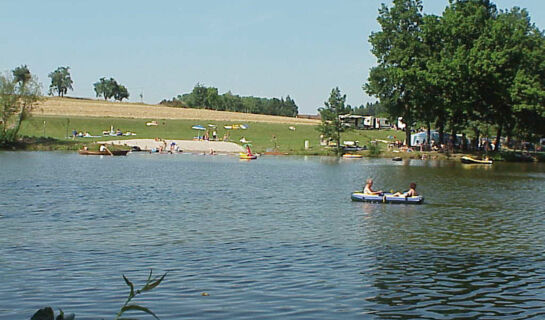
61	81
331	126
398	48
527	91
498	61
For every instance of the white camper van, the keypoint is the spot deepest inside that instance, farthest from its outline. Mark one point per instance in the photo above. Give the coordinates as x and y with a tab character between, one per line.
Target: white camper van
382	123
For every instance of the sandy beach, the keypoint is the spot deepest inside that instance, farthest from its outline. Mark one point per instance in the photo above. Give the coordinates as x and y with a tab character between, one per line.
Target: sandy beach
185	145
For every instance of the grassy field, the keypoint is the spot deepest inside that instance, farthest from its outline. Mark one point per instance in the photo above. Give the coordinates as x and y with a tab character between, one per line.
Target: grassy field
260	133
79	107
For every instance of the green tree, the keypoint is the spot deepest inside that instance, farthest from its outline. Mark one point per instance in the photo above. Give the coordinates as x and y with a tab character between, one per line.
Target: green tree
527	91
19	93
331	126
198	96
120	92
109	88
398	48
499	66
212	99
61	81
21	75
105	88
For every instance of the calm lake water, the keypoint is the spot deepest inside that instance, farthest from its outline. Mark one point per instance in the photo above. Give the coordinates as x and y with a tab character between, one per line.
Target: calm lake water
273	238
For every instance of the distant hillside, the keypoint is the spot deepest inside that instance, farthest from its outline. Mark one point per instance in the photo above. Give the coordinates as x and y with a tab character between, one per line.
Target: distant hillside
55	106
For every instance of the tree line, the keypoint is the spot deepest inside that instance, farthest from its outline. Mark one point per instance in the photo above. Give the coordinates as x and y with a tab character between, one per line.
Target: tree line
20	91
472	68
375	109
61	81
203	97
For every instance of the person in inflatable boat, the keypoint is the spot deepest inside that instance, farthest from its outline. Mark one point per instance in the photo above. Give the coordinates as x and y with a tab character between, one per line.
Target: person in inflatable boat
411	193
368	188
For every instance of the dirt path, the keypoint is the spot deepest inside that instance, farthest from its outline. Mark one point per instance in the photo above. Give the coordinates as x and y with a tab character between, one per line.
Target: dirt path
99	108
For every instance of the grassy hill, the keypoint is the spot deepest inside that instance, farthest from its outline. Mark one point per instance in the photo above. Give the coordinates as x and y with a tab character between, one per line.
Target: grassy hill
58	117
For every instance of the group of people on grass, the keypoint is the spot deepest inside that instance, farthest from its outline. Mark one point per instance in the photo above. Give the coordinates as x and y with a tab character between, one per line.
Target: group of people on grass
368	189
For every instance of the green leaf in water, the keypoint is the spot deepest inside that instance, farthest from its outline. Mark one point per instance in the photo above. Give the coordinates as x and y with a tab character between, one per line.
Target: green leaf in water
130	285
154	284
132	307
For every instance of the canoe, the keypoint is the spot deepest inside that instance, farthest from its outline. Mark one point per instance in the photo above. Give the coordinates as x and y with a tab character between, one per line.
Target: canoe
103	153
385	198
397	159
352	156
471	160
247	156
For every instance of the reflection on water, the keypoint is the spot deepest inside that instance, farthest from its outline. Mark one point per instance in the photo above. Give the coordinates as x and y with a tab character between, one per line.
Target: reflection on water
272	238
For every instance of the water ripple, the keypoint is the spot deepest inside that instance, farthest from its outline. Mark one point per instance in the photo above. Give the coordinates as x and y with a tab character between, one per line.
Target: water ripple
274	238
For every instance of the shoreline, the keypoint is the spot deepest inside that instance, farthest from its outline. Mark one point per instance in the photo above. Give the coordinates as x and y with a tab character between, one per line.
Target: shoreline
221	147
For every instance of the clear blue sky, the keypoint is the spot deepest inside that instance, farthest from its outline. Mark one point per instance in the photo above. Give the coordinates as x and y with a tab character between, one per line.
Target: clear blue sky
301	48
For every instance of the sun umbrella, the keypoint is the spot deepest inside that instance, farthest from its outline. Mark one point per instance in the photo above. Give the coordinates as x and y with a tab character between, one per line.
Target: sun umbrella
198	128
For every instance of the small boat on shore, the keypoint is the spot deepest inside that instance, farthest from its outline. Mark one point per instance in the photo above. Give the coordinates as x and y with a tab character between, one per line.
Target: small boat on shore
471	160
397	159
352	156
104	153
385	198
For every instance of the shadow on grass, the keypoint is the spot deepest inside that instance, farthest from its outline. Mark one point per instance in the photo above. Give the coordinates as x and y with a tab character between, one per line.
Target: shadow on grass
41	144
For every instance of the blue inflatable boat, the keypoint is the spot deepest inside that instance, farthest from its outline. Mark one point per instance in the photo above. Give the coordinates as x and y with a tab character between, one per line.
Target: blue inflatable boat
385	198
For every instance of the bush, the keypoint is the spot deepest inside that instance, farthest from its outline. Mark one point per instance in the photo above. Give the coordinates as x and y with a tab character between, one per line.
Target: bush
374	149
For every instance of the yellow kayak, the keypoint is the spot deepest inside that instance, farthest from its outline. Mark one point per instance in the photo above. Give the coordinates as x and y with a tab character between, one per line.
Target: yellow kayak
471	160
247	156
352	156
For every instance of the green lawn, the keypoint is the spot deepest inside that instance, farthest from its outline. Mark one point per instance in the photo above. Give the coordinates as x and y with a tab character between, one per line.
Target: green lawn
261	134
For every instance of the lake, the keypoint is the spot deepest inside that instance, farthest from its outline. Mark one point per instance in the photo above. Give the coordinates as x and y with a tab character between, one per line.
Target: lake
277	237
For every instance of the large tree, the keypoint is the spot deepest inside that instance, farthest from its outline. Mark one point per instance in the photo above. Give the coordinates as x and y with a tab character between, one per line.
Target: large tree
61	81
332	126
527	90
398	47
109	88
105	88
19	93
502	65
121	92
448	96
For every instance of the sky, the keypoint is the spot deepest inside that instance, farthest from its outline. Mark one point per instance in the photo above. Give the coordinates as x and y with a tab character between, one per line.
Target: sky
300	48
